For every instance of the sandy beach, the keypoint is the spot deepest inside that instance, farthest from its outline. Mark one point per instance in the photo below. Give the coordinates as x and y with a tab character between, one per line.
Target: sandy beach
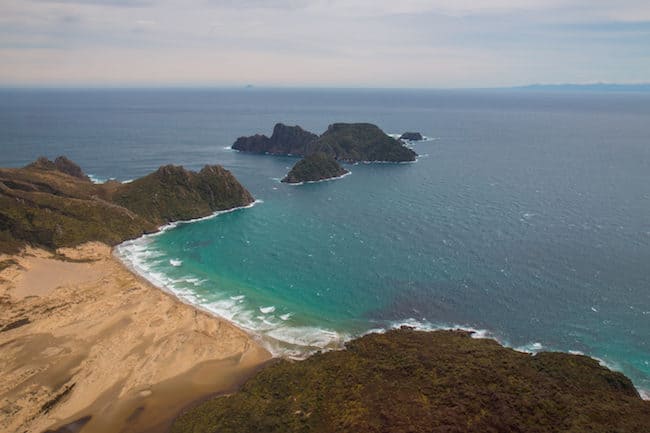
80	336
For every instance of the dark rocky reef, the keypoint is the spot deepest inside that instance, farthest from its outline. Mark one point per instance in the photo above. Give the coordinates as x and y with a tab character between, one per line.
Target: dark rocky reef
285	140
410	381
315	167
53	204
411	136
356	142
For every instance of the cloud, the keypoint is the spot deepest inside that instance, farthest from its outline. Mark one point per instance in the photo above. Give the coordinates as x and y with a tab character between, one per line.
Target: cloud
109	3
441	43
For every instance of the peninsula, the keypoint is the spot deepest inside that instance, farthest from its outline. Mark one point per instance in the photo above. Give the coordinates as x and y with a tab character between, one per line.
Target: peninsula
84	343
53	204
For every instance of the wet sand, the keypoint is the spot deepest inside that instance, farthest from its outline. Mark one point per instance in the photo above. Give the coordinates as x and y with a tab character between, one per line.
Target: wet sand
80	336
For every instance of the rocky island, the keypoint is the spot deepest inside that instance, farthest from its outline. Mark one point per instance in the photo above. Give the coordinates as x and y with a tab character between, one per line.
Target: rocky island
412	381
285	140
315	167
361	142
411	136
348	142
54	204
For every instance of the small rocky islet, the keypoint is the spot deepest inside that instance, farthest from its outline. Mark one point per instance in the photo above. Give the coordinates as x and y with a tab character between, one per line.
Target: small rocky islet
315	167
411	136
341	142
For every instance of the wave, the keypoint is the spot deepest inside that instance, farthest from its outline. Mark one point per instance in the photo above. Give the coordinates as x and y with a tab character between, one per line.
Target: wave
322	180
175	262
100	180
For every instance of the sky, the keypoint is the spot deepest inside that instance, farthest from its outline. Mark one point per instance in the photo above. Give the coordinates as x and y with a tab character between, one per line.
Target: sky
323	43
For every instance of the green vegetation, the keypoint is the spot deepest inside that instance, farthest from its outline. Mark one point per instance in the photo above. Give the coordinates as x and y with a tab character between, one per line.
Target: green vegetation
172	193
351	142
314	167
411	381
361	142
44	206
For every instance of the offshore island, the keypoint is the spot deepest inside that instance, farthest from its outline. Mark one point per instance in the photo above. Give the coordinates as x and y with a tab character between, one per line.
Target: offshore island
89	346
341	142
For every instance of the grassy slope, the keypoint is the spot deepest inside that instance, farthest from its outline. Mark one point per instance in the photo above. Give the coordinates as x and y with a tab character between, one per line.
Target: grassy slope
43	206
410	381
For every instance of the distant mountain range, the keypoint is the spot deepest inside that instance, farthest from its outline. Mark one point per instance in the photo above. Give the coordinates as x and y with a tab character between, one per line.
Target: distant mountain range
595	87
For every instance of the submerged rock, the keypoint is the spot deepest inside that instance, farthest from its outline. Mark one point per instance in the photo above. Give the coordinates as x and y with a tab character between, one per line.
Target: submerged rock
315	167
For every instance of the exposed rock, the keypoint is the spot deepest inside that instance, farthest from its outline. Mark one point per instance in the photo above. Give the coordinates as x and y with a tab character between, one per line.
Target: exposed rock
411	381
286	140
66	166
314	167
411	136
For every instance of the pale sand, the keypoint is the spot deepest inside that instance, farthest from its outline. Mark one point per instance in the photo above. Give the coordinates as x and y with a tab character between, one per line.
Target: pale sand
130	355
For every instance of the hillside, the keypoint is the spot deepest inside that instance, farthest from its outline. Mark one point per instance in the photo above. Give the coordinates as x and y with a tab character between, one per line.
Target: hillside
411	381
53	204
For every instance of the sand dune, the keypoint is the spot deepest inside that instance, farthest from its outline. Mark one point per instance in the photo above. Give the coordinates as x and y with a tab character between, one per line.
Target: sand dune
80	335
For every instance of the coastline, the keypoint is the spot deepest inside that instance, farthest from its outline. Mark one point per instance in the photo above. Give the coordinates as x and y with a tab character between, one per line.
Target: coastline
82	335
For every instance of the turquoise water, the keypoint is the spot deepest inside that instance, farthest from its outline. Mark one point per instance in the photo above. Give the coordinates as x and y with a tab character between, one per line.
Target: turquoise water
527	216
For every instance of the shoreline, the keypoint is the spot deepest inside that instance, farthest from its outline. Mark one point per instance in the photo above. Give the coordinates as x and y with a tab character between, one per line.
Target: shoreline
83	335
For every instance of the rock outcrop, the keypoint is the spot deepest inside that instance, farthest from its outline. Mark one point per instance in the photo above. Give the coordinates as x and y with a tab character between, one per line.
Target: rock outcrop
411	136
315	167
285	140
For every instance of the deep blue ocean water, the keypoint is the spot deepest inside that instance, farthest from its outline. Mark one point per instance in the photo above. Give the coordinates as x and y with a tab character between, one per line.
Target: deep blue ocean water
527	216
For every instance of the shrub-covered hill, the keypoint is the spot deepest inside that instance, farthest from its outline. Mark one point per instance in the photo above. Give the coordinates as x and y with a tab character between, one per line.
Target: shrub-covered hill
314	167
53	204
410	381
355	142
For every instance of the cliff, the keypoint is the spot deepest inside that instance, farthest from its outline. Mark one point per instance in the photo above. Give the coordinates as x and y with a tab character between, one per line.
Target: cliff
411	381
356	142
314	167
285	140
53	204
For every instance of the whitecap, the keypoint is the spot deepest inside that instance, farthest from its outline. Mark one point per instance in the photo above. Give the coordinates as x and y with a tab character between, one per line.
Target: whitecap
175	262
267	310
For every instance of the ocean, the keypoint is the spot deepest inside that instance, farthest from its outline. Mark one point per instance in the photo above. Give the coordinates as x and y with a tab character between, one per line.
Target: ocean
526	216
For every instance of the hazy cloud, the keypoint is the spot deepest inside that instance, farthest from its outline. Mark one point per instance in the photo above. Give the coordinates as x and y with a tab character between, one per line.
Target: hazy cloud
440	43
